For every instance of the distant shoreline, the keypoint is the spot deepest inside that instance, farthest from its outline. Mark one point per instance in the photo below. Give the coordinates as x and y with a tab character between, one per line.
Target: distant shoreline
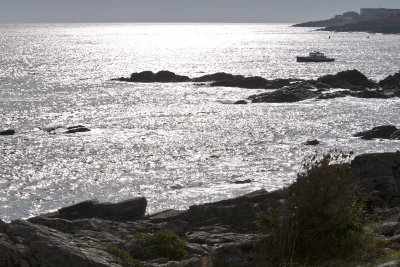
371	20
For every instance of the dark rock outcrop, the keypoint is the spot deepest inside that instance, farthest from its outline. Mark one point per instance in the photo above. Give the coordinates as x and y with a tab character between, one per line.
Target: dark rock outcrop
377	94
354	82
349	79
217	77
246	181
150	77
379	174
7	132
382	132
126	210
243	82
255	82
28	244
239	212
312	142
392	82
284	95
395	135
240	102
167	77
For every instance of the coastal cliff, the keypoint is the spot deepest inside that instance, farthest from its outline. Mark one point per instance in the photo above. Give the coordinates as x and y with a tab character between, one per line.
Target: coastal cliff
223	233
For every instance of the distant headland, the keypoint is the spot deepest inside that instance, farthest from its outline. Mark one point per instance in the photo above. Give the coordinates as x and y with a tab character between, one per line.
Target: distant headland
373	20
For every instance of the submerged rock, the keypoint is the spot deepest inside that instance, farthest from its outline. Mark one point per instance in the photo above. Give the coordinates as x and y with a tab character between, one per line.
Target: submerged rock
7	132
240	102
383	132
312	142
77	129
246	181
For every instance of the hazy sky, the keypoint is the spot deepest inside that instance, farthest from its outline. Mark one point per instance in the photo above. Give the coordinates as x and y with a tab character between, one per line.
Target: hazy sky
180	10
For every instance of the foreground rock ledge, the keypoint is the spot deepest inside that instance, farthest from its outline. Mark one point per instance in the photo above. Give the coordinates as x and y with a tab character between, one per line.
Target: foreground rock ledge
223	231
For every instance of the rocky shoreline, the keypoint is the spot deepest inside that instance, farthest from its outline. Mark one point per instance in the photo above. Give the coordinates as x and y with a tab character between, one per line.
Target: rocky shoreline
389	25
350	83
223	233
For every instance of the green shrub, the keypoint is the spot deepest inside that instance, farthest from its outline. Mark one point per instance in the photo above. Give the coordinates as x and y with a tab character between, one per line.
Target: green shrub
165	243
323	216
125	257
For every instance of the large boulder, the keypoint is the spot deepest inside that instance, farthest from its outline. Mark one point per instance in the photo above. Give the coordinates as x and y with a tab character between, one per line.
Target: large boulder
379	174
126	210
349	79
383	132
240	212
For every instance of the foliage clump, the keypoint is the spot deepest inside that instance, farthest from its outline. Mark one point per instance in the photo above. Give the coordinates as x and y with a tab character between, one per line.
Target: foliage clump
323	217
124	255
164	243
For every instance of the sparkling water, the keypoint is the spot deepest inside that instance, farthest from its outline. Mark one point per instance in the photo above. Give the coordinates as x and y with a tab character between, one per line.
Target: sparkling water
175	144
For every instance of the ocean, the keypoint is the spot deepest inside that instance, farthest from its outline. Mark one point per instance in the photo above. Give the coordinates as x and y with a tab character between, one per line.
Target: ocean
176	144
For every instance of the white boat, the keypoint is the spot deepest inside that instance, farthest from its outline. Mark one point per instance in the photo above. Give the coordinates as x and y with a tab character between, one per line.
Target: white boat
315	57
